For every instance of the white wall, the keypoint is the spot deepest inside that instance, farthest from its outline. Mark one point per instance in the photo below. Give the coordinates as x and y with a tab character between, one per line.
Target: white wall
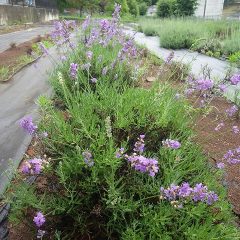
214	8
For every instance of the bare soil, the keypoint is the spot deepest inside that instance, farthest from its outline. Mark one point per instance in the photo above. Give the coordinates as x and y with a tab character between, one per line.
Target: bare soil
10	57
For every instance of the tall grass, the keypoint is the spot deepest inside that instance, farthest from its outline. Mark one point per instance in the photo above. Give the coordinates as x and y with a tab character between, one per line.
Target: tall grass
177	33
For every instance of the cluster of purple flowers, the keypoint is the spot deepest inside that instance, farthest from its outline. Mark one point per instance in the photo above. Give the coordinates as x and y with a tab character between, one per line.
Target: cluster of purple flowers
204	84
143	164
232	156
139	162
178	194
235	79
39	219
34	166
232	111
27	124
88	158
139	145
89	55
174	144
73	70
62	31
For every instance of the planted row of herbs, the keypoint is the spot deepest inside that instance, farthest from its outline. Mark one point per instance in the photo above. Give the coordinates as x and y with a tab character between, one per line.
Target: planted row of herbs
123	162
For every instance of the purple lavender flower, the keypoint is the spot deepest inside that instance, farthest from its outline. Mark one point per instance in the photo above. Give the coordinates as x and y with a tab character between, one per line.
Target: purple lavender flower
88	159
120	153
232	110
235	129
33	166
222	87
86	66
44	134
179	194
204	84
86	23
174	144
144	165
89	55
104	24
63	58
189	91
219	126
117	10
184	190
93	80
232	156
211	198
220	165
39	219
139	145
104	71
27	124
73	70
199	192
235	79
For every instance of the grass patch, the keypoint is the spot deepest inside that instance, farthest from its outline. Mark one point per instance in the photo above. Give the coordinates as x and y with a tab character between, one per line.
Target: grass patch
178	33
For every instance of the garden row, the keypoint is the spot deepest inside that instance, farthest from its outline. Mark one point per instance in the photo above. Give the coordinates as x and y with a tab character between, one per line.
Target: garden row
218	38
123	162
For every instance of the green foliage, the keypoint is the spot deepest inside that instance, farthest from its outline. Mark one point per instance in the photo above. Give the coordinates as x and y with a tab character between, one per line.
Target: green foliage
219	37
165	8
133	7
186	7
235	59
143	8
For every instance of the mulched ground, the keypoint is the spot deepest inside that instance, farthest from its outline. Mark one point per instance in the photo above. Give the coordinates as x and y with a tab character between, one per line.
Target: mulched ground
216	143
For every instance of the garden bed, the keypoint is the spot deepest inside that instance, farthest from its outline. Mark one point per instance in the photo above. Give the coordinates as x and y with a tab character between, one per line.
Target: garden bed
215	38
124	162
16	57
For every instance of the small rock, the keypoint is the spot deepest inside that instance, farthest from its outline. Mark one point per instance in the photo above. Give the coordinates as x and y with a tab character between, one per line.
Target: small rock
151	79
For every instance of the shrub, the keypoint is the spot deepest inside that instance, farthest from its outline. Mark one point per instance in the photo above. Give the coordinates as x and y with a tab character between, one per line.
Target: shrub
94	189
165	8
235	58
186	7
143	8
133	7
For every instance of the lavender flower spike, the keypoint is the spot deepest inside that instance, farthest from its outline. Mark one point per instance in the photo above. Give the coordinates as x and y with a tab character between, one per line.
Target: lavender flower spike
39	219
27	124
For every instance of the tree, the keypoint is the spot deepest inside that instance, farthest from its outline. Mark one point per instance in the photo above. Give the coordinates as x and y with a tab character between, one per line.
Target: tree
186	7
133	7
166	8
143	8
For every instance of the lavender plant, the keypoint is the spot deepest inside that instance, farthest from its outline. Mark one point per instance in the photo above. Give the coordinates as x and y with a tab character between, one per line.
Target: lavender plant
115	150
